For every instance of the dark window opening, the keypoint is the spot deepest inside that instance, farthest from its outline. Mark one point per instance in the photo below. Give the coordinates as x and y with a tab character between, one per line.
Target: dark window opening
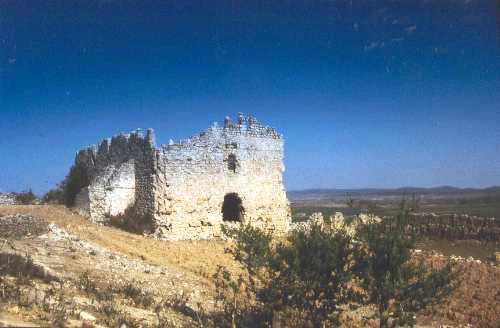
232	208
231	162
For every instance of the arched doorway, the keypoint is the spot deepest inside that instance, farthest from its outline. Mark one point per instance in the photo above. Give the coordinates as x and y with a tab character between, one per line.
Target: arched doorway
232	208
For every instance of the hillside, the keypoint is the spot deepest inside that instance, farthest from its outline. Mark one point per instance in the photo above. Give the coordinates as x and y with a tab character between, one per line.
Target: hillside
85	275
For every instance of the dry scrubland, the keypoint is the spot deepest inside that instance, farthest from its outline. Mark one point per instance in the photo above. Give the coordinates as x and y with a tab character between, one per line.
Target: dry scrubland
104	260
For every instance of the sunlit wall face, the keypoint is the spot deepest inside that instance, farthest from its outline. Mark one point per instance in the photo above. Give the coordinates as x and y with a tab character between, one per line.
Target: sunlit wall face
366	94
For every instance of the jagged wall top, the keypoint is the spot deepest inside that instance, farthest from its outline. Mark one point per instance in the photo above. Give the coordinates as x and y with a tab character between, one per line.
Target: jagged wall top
124	146
119	148
244	126
250	126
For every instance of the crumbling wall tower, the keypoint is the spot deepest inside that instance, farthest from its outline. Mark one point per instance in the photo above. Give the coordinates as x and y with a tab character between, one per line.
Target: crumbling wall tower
225	175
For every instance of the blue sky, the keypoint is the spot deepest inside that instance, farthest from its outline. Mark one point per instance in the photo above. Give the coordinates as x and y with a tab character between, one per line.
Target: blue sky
367	93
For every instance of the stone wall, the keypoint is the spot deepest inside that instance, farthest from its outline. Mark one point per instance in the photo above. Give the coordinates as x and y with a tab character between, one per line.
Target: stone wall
423	225
455	227
182	185
195	174
450	226
121	175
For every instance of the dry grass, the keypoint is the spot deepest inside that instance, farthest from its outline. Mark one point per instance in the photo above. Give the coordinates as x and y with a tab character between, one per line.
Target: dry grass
198	257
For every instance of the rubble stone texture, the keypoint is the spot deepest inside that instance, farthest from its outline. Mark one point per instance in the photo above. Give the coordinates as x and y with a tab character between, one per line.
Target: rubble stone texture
182	185
7	199
456	227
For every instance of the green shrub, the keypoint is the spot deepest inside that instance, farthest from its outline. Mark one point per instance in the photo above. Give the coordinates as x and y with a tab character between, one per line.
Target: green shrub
54	196
131	290
311	273
65	192
109	309
305	279
310	278
76	180
398	285
140	296
17	266
60	312
25	197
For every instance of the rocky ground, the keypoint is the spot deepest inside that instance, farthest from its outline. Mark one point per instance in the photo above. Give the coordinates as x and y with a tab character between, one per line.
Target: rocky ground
97	284
69	272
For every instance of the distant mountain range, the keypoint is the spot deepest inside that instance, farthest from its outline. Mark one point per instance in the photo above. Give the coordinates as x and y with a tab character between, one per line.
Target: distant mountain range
436	192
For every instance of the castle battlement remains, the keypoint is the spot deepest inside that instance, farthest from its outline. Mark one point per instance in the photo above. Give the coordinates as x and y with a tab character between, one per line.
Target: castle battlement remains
229	173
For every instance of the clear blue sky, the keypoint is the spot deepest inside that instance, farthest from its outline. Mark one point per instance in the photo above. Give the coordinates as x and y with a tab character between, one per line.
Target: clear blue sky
367	93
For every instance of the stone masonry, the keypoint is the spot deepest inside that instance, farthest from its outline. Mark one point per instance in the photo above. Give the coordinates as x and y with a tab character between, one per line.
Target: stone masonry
185	186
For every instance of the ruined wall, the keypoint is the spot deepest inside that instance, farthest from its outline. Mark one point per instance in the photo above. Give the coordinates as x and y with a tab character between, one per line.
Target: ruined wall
7	199
183	185
450	226
121	175
455	227
194	176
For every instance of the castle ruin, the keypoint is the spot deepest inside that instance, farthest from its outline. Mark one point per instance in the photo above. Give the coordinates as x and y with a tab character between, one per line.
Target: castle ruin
227	174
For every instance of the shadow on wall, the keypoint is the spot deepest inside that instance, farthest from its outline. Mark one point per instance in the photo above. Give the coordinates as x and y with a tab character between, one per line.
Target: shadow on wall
130	221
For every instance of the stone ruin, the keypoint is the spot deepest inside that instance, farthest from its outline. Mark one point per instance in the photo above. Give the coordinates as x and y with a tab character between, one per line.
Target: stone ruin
7	199
227	174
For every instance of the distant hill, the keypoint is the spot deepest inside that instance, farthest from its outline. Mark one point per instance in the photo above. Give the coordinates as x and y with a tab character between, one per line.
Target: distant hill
373	193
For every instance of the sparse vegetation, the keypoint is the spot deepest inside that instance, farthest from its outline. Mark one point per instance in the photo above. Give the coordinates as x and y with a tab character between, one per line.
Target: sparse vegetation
86	283
472	302
303	280
17	266
76	180
140	296
396	284
25	197
109	309
310	278
54	196
60	312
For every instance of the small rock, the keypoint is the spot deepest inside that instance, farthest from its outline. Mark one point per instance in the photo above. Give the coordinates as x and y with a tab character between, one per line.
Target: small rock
87	316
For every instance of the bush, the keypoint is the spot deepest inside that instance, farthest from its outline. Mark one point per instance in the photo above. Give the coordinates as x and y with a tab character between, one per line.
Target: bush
140	297
312	272
54	196
76	180
60	312
17	266
304	280
86	283
309	279
25	197
109	309
396	284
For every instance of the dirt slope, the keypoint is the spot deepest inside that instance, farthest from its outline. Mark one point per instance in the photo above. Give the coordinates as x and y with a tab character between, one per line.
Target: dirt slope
197	257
